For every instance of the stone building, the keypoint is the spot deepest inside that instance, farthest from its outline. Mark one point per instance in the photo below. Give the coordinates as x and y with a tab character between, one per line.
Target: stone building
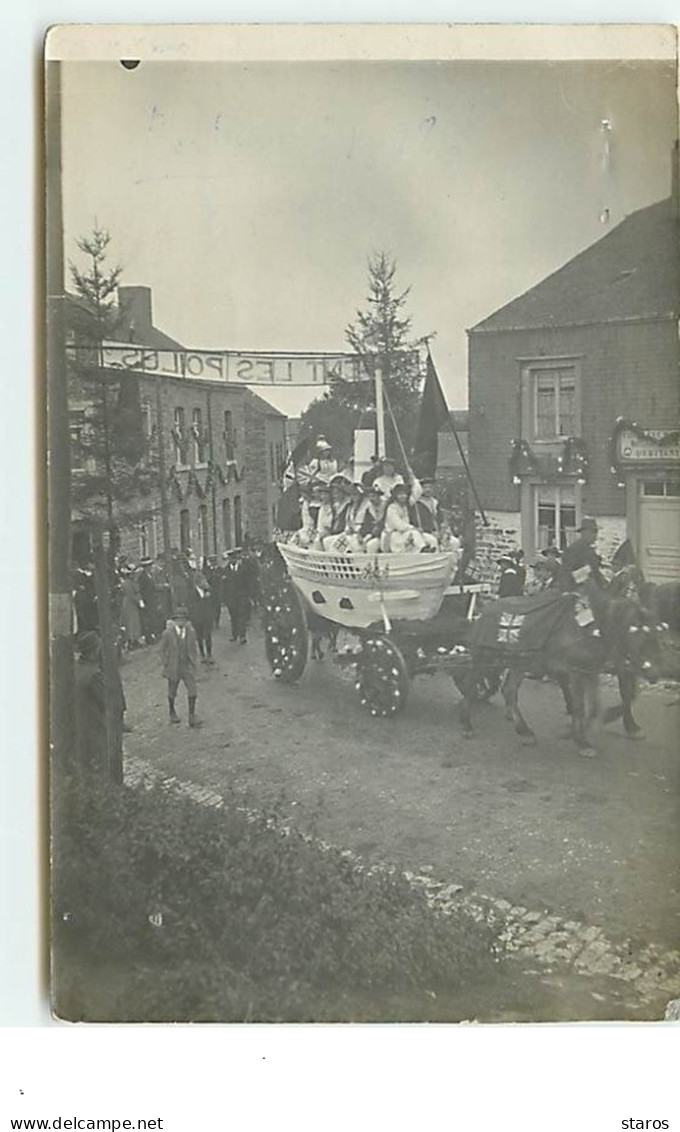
574	401
214	449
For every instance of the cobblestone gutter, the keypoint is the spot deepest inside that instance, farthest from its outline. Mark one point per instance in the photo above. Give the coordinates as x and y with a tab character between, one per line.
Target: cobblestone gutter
649	974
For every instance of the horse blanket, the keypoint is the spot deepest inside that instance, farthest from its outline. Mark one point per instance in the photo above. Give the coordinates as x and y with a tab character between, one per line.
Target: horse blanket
522	624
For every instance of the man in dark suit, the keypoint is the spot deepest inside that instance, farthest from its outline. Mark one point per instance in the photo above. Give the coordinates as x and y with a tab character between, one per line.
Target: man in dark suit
580	561
179	656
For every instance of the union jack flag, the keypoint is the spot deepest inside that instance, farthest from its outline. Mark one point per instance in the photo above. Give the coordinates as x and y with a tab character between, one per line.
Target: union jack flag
509	626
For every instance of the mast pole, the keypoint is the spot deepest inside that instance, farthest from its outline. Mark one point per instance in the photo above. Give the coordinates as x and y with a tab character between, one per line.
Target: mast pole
380	411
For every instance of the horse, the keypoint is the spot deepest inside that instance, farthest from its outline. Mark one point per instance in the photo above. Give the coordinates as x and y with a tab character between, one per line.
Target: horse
622	637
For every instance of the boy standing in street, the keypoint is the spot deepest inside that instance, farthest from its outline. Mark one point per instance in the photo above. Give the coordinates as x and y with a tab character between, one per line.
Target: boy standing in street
179	656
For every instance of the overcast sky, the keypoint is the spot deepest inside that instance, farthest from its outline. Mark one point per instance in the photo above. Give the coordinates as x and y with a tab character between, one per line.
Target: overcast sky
248	196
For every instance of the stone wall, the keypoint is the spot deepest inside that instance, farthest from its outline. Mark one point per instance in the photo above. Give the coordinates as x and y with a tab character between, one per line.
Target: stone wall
611	534
502	535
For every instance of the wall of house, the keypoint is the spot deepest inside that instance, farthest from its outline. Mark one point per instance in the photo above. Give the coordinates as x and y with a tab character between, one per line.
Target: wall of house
502	535
193	487
275	439
257	471
240	479
245	476
628	369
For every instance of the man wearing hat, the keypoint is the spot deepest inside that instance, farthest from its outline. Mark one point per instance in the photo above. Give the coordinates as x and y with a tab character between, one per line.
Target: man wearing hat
546	571
580	560
179	655
511	582
201	611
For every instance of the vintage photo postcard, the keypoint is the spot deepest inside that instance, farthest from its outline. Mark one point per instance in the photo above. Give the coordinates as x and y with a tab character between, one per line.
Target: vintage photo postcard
364	523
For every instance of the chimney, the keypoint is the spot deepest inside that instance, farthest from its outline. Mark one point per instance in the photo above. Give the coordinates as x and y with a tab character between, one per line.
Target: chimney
134	304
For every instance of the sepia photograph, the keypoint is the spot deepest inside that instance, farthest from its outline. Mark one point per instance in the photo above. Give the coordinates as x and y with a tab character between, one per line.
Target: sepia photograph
363	524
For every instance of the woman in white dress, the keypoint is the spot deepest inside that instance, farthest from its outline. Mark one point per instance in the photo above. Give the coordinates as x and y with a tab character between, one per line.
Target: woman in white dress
400	536
325	516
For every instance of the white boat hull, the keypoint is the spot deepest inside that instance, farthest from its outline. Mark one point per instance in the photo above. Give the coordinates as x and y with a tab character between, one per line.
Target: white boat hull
356	590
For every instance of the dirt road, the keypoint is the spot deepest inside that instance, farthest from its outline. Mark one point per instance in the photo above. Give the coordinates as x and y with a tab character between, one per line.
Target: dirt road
580	856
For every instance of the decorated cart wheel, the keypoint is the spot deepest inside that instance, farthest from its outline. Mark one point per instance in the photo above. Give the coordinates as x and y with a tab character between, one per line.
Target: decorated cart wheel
381	677
286	638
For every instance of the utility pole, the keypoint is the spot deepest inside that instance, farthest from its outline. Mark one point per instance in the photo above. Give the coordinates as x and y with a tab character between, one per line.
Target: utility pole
380	411
60	626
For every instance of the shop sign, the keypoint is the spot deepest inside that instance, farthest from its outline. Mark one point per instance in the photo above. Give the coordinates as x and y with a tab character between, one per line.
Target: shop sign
651	446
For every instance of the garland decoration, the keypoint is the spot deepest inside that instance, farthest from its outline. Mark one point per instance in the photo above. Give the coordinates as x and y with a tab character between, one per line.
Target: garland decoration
230	449
572	461
523	461
575	459
215	474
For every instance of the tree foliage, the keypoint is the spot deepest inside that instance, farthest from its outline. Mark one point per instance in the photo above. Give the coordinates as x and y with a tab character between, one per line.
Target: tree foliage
97	285
381	335
114	461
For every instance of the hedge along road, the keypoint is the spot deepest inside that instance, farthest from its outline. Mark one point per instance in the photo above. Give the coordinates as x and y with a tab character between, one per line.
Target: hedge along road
580	857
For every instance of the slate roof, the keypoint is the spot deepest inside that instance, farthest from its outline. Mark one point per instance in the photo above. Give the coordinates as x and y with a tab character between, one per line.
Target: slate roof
631	273
265	407
460	418
152	339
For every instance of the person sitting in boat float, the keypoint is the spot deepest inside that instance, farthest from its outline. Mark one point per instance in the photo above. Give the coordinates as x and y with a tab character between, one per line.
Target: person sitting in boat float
309	510
400	535
340	502
448	538
343	505
354	515
372	519
325	514
388	478
424	508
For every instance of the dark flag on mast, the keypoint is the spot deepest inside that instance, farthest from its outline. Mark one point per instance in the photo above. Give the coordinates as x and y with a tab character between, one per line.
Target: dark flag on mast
433	419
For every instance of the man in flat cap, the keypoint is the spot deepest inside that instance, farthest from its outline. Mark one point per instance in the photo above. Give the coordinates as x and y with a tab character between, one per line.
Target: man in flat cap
179	656
580	561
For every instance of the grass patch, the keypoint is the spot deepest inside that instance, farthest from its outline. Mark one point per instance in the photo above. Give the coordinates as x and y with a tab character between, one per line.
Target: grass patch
164	910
